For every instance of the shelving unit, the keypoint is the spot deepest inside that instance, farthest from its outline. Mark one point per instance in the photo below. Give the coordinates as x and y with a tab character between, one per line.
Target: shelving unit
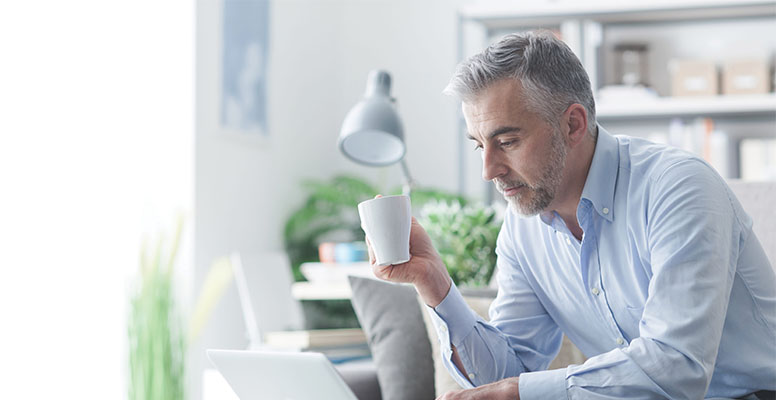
668	107
592	28
510	14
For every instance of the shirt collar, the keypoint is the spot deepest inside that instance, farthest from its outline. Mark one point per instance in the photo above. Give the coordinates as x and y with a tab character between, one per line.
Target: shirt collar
602	176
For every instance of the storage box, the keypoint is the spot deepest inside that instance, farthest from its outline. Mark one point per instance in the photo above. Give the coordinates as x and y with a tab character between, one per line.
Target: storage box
745	77
694	78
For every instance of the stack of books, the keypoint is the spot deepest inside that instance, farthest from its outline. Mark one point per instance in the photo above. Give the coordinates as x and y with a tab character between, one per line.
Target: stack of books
339	345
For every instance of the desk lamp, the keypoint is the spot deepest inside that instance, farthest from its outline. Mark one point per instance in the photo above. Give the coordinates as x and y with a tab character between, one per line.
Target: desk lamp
372	132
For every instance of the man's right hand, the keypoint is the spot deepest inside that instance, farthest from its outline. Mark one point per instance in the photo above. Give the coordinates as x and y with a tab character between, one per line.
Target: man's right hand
425	268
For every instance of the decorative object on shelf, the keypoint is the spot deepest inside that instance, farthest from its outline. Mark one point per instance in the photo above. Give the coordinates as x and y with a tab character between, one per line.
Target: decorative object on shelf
155	327
372	133
330	252
745	77
631	64
693	78
465	237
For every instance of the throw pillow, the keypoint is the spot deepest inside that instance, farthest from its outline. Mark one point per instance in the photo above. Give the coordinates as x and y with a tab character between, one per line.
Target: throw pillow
397	338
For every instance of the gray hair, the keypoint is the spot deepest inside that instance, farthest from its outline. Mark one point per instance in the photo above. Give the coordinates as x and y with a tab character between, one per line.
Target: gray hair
552	76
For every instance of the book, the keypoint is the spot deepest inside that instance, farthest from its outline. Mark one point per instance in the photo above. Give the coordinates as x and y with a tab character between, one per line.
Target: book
340	354
317	338
758	159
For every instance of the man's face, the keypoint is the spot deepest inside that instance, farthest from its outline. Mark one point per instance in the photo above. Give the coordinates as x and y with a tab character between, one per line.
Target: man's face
521	153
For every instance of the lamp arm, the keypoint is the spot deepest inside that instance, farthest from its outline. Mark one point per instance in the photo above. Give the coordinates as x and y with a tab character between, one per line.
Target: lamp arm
408	182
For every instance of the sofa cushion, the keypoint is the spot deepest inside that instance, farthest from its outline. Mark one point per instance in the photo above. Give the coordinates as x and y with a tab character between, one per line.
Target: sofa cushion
361	377
397	338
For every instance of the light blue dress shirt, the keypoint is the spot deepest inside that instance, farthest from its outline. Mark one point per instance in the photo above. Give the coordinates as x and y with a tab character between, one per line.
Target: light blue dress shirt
669	293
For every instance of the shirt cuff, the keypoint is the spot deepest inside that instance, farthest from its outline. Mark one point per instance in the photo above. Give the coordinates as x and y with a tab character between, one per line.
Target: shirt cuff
549	384
457	315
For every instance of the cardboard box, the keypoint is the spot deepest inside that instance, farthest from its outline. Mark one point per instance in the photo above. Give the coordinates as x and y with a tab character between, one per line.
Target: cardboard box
694	78
745	77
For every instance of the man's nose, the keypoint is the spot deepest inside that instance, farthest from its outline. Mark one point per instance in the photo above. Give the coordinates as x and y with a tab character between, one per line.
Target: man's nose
492	164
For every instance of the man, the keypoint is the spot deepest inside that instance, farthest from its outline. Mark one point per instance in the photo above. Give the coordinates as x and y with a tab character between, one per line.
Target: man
638	252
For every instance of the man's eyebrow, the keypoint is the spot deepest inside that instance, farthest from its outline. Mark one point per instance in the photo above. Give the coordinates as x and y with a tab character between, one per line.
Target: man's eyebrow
499	131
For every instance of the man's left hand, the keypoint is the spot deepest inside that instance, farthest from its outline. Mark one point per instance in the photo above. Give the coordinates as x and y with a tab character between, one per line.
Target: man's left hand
506	389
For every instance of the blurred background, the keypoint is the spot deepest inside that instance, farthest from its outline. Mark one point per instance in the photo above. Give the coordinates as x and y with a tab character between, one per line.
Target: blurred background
124	122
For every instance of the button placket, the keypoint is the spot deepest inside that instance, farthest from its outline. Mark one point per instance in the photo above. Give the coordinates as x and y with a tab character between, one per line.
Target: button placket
596	282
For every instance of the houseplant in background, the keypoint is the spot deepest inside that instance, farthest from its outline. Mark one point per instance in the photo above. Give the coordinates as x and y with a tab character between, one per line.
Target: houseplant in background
155	327
157	345
330	213
465	237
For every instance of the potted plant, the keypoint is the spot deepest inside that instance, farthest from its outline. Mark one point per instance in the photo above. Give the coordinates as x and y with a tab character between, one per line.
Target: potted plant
330	213
465	237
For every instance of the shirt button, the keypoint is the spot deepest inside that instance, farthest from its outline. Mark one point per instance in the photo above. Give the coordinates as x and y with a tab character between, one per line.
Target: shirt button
595	291
443	328
605	210
471	376
620	341
568	241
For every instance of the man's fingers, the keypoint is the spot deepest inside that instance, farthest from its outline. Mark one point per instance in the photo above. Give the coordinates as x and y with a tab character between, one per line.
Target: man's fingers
370	251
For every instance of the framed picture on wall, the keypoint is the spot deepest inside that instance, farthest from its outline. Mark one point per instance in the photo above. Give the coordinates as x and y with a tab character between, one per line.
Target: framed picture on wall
243	106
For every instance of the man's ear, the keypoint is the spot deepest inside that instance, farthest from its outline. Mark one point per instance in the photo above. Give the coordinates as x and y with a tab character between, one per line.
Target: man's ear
575	119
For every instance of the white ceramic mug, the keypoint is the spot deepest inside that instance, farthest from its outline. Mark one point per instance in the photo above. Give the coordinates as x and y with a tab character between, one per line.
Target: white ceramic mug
387	221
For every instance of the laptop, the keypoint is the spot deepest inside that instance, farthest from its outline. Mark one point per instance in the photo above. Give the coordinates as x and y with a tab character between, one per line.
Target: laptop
266	375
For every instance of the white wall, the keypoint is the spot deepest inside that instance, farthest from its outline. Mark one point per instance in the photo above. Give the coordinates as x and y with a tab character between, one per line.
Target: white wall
320	55
96	149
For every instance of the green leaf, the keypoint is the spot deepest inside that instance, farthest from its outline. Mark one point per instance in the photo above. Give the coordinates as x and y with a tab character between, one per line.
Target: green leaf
465	236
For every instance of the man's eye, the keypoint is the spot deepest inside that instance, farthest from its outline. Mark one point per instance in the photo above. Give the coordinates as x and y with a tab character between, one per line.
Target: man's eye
477	147
506	143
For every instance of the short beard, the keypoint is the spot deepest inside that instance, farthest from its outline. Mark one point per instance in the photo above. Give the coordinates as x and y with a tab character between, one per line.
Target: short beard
534	199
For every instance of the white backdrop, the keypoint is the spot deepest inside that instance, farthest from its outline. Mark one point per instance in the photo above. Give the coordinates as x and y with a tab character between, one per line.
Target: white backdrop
96	149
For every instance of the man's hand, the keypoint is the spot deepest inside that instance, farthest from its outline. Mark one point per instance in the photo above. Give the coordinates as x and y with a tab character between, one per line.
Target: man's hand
506	389
425	268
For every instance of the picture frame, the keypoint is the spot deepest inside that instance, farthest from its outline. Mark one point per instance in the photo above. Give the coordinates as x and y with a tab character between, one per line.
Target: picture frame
244	51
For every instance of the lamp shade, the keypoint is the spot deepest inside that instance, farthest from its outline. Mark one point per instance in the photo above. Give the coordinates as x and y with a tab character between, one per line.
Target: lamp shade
372	133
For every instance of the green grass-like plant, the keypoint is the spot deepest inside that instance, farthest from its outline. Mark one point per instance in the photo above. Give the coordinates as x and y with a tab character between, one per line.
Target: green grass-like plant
155	327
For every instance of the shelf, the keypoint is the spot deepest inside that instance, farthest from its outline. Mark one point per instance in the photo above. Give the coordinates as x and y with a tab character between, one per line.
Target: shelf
507	14
665	107
321	291
328	281
334	272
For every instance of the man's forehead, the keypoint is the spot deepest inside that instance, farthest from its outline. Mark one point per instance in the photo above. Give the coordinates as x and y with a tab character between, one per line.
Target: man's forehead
498	106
